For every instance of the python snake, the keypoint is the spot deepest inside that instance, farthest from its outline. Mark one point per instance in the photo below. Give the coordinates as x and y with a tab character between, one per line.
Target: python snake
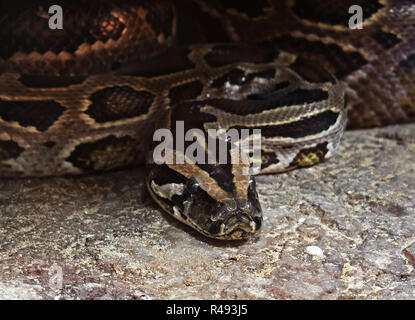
88	97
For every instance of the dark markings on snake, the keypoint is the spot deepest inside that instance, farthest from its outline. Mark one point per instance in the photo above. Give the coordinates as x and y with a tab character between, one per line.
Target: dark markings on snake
176	201
196	26
310	72
310	156
253	199
266	74
300	128
192	189
115	65
172	177
277	89
185	92
115	103
106	154
287	98
385	39
214	229
222	174
39	114
251	9
409	62
223	55
49	144
333	12
44	81
9	149
331	56
268	158
160	19
170	61
162	175
191	115
200	199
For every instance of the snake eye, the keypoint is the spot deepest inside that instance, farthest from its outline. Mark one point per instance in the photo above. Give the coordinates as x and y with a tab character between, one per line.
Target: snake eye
192	185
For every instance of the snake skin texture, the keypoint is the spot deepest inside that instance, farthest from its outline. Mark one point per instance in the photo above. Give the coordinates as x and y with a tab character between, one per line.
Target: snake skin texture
43	71
376	63
88	97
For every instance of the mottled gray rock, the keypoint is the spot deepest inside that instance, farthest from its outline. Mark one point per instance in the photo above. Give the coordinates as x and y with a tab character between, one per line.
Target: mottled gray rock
344	229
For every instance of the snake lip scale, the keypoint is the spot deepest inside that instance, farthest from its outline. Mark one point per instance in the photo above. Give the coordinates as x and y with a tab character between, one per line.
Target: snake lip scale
91	96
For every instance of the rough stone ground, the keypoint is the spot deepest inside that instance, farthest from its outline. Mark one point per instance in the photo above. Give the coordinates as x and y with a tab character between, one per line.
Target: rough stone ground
344	229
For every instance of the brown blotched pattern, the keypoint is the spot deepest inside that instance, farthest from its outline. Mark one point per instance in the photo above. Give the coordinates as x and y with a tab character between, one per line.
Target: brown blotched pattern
87	98
116	65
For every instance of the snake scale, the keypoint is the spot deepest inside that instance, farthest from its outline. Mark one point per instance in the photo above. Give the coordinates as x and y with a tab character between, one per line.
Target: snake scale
89	97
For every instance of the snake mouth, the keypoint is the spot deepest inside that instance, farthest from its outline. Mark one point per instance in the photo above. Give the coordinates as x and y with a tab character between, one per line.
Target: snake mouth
238	226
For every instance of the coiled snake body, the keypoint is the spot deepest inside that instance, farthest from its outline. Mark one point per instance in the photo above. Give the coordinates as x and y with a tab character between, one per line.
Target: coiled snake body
88	97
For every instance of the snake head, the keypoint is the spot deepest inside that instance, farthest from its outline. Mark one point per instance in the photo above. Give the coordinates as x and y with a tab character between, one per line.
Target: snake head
214	208
188	177
237	218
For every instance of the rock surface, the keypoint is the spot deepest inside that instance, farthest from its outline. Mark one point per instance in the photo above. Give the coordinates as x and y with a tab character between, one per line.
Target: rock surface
344	229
